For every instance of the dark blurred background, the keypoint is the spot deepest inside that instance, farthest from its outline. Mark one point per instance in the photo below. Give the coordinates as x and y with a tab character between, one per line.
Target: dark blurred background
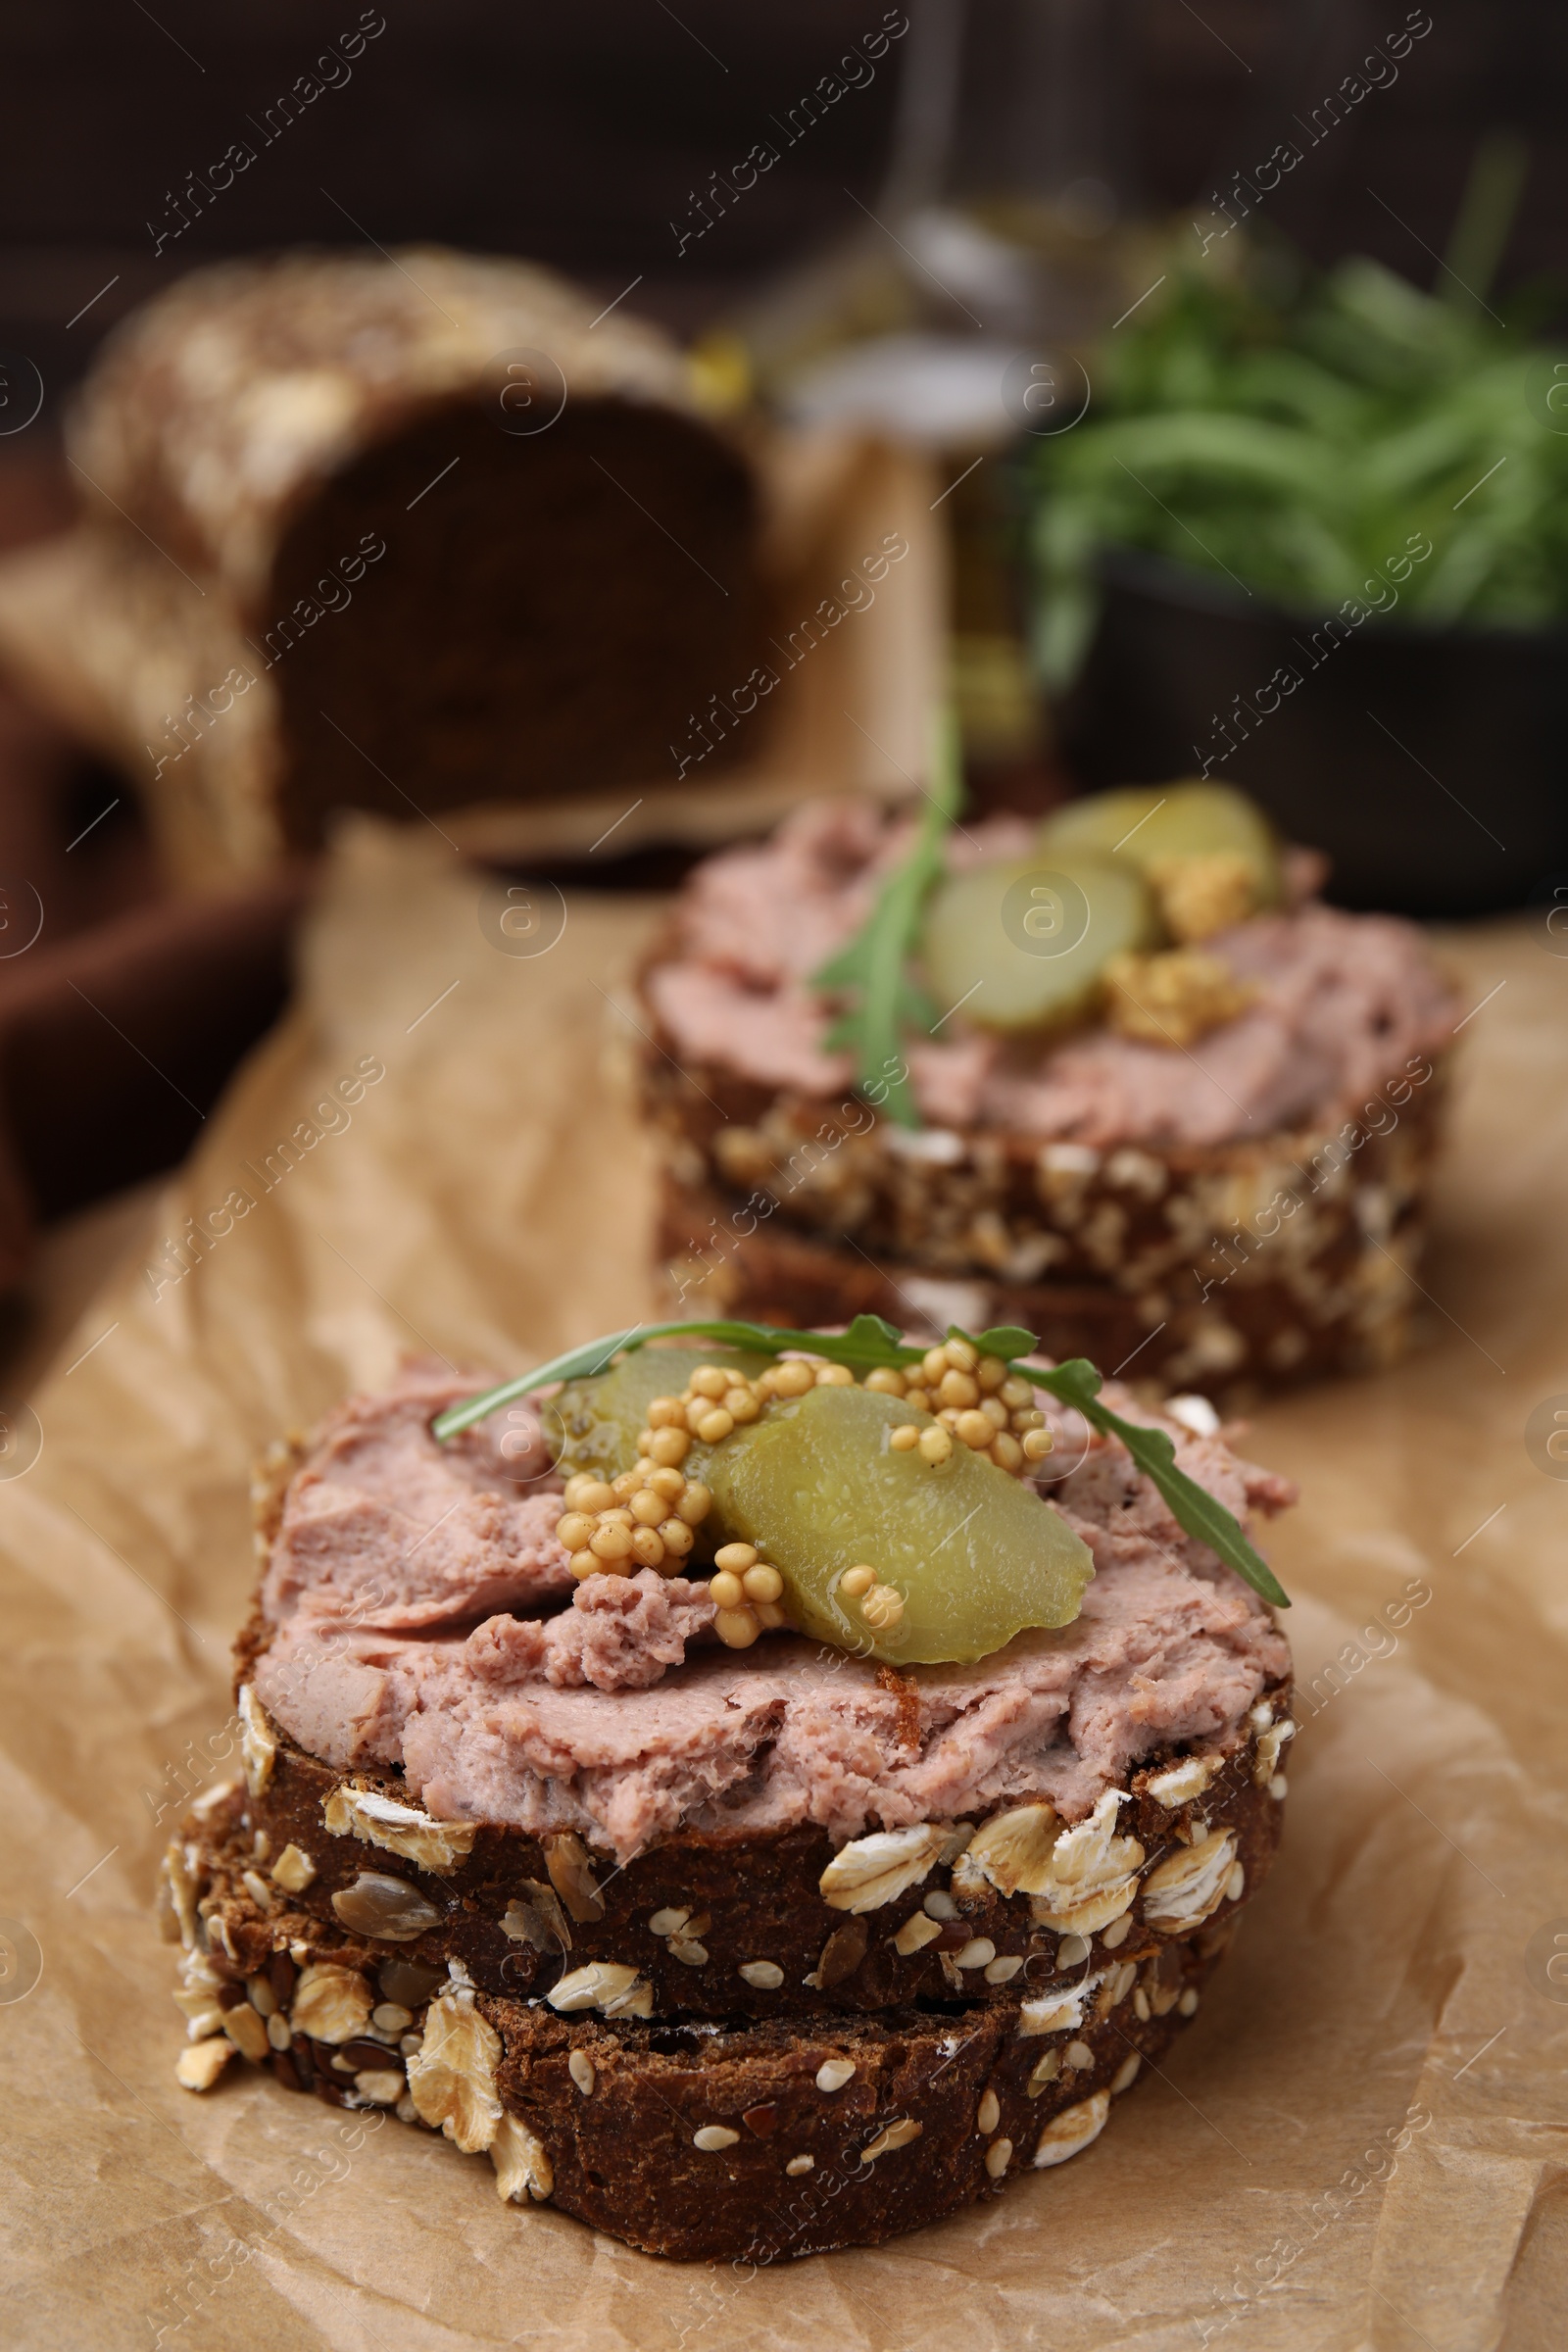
577	139
583	140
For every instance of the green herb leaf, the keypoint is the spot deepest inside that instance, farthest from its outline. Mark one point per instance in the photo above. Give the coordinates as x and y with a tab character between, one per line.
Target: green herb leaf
1192	1506
1006	1339
872	969
1298	434
868	1343
871	1341
576	1365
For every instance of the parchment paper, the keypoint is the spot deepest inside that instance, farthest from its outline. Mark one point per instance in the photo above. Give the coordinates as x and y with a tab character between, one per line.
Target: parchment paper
1363	2138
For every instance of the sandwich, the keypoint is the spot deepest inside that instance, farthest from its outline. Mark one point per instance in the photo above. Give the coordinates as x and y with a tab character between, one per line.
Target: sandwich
765	1789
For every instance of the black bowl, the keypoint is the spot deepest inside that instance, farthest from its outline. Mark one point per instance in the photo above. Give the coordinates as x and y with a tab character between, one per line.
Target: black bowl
1430	763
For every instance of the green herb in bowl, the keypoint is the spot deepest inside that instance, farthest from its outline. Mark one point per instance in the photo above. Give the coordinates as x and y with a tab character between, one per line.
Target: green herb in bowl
1302	436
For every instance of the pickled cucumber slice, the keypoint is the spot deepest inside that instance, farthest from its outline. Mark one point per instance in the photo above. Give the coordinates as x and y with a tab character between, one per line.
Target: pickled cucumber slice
594	1424
1153	822
975	1554
1023	946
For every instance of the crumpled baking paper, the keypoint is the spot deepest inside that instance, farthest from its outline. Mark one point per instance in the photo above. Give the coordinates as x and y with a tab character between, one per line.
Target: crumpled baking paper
1363	2138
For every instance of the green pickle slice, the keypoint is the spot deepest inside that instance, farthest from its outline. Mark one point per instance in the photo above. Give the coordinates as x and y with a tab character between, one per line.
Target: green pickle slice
815	1487
1151	822
594	1424
975	1552
1024	944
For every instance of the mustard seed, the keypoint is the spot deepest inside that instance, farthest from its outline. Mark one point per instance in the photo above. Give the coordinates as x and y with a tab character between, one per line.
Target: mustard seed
737	1629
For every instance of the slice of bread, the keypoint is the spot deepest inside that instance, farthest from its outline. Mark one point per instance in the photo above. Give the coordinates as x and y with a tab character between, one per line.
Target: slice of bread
1227	1269
752	2143
745	1928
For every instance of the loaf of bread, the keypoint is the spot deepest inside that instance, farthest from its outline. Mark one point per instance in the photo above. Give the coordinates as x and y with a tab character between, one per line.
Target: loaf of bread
397	532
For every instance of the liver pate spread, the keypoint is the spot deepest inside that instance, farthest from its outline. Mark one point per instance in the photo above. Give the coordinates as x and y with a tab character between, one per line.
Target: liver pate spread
421	1614
1341	1001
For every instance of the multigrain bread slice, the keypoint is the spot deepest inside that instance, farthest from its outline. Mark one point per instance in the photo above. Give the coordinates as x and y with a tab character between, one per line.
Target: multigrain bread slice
1344	1307
748	2141
786	1925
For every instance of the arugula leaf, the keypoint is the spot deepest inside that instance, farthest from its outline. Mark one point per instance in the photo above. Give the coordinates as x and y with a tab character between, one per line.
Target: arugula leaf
1192	1506
1006	1339
1295	434
872	1341
872	969
869	1340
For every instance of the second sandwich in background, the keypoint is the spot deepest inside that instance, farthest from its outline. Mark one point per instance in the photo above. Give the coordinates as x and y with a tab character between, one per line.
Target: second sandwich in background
1124	1078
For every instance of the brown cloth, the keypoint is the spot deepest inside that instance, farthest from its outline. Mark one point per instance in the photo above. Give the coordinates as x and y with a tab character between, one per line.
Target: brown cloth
1362	2141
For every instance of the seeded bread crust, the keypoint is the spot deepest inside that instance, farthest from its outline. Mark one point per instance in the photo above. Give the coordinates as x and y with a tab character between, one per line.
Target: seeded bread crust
747	2142
755	1901
807	1209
